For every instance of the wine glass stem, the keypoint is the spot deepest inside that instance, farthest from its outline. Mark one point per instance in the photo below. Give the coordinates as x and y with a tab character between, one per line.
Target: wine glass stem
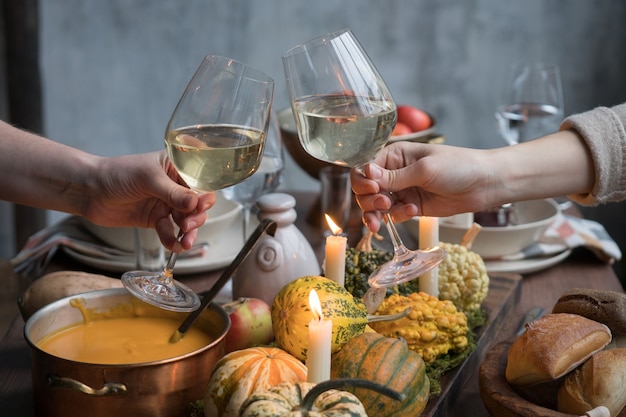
398	246
168	270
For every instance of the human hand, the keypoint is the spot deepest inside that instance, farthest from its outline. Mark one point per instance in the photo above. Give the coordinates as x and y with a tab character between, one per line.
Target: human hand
145	190
424	179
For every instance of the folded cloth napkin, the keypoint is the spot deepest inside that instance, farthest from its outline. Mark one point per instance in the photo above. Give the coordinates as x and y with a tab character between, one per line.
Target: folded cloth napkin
39	249
568	232
70	232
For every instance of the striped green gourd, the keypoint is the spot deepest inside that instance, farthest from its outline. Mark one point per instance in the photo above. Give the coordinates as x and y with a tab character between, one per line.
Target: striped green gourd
291	314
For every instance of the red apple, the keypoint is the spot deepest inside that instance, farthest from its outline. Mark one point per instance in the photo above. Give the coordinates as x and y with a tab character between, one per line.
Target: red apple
401	129
250	324
416	119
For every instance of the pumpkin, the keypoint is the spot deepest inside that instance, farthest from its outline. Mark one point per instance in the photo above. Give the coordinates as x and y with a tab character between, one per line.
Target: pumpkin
291	314
240	373
305	399
389	362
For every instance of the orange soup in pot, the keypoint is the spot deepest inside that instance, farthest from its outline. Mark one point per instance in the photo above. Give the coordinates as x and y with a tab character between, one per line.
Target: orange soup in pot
116	338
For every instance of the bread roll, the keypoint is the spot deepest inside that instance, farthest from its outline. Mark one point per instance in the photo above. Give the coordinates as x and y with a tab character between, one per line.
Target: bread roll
599	381
607	307
552	346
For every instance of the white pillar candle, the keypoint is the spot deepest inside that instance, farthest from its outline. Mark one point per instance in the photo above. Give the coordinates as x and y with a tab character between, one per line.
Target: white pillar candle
335	254
428	238
320	341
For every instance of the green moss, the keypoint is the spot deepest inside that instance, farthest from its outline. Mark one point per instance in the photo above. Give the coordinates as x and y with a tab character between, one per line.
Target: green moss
451	360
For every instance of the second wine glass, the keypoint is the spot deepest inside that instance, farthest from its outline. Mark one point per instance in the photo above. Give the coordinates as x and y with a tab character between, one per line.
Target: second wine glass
265	180
214	139
345	115
531	102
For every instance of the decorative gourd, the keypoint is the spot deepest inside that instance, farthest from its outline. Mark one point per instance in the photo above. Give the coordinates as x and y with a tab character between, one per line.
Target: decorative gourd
432	328
305	399
241	373
291	314
389	362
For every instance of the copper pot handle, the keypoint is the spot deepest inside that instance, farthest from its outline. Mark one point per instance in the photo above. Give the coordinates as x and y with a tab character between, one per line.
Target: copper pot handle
109	388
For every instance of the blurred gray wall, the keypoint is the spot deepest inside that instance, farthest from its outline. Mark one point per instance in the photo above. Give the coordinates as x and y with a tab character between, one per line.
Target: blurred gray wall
113	70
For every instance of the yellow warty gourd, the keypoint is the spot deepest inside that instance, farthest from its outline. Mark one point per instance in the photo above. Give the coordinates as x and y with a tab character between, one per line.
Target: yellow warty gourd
432	328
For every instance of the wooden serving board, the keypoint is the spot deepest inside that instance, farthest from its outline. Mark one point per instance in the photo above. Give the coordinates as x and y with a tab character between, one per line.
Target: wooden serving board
504	294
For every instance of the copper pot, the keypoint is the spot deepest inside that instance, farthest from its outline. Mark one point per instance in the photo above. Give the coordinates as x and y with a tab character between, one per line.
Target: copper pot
167	387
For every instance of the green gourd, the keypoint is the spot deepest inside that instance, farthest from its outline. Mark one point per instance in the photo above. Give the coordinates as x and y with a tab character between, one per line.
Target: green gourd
305	399
291	314
403	371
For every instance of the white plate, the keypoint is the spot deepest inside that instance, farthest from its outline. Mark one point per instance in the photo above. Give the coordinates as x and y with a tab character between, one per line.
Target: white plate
217	256
526	266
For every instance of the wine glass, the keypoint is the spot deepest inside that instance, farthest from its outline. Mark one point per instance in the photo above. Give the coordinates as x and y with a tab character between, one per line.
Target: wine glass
531	105
214	139
265	180
345	115
532	102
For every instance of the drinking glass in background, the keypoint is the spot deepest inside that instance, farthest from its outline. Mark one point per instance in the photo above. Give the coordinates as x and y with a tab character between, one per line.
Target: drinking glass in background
531	104
150	253
335	197
266	179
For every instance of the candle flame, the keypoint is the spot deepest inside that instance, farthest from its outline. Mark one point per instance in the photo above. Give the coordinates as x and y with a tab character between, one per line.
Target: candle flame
333	226
316	306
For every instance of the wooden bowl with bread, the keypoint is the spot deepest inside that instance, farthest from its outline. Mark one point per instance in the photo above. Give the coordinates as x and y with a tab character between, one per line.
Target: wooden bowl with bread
571	362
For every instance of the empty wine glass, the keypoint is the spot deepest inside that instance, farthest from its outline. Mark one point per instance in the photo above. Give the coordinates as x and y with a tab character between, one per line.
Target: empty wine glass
265	180
531	104
345	115
215	139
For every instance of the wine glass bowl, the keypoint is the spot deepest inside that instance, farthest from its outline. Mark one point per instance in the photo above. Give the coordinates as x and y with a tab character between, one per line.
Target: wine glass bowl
266	179
214	139
531	102
289	132
345	115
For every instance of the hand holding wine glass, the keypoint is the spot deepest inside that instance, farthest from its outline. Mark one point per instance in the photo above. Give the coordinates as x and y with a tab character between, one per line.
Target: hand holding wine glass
215	139
345	115
531	104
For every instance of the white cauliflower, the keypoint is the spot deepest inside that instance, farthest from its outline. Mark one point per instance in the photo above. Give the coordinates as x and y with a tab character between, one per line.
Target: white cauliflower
463	278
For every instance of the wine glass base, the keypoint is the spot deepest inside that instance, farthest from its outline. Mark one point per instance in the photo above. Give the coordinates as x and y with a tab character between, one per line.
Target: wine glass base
155	289
406	266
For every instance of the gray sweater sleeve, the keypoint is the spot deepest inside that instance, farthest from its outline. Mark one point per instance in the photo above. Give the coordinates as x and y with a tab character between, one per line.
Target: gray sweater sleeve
604	131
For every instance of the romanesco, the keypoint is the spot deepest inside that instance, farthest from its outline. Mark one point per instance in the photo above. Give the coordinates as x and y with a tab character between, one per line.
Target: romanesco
462	275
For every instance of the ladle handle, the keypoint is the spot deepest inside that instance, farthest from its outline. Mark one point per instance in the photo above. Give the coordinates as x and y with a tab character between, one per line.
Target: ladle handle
266	226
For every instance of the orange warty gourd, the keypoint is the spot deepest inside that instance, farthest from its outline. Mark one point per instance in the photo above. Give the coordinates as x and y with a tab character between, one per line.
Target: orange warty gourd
389	362
241	373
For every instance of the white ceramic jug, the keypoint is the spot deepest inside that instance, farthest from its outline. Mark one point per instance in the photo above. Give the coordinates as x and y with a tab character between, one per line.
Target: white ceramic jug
275	261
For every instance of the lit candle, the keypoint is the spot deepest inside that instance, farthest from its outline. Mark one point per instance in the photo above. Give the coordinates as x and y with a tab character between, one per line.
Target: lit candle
335	258
320	337
428	238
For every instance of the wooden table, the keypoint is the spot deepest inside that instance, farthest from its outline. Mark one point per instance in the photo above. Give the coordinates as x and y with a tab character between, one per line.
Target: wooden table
541	288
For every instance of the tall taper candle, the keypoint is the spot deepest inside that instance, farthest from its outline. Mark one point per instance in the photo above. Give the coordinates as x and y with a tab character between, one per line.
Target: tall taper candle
428	238
320	342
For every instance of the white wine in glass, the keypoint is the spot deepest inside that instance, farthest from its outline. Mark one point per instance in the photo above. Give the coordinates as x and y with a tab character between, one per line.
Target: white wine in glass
531	102
214	139
345	115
